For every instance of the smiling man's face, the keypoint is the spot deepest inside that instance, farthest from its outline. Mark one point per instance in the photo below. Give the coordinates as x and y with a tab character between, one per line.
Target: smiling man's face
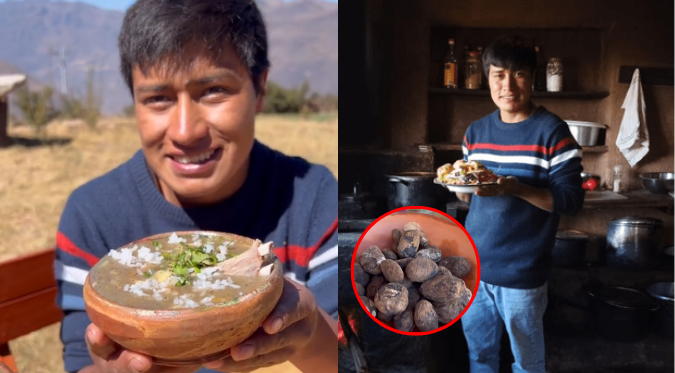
197	125
511	92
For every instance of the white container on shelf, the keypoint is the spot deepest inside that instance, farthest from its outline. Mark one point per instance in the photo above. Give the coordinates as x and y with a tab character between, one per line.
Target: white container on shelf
554	75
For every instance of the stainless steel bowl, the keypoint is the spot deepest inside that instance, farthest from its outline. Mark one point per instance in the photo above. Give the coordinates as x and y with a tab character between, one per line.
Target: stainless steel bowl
658	182
586	133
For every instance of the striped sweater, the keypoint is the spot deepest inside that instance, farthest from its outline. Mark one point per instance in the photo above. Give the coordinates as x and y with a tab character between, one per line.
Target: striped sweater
514	238
285	200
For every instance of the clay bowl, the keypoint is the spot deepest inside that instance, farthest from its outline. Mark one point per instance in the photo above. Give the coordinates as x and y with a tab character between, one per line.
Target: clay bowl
185	336
4	368
442	232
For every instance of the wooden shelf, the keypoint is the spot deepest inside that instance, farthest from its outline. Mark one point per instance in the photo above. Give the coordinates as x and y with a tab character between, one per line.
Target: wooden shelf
595	149
486	93
446	146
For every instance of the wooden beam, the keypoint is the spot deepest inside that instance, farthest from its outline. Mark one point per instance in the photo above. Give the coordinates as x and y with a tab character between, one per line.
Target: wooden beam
4	120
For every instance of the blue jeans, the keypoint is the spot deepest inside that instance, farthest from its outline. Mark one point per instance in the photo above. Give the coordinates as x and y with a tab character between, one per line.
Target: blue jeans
522	311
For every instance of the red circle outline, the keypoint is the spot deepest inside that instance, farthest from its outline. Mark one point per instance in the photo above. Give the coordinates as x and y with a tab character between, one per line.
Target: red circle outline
473	293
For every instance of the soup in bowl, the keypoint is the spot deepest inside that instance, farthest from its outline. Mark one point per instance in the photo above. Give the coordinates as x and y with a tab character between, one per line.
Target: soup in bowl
184	297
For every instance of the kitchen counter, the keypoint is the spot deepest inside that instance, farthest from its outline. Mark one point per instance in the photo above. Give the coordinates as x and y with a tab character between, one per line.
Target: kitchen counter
607	200
634	198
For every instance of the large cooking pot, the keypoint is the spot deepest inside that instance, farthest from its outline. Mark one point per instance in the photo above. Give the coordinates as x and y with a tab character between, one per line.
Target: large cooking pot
569	250
634	243
416	189
622	314
662	292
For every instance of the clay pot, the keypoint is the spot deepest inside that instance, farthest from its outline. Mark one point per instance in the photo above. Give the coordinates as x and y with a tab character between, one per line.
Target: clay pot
186	336
442	232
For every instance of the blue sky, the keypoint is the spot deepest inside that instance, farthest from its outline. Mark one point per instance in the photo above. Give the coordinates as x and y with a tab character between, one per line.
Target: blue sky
123	4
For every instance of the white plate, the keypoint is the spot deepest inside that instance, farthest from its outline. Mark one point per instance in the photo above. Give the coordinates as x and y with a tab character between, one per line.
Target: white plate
461	188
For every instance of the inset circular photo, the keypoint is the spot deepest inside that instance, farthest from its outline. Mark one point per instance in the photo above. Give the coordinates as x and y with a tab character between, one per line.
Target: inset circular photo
415	270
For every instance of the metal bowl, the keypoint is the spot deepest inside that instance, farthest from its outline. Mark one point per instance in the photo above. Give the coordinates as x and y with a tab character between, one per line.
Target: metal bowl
587	133
658	182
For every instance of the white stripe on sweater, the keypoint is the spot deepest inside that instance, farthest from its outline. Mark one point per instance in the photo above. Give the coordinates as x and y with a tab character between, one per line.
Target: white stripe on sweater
574	153
509	159
70	274
325	257
291	276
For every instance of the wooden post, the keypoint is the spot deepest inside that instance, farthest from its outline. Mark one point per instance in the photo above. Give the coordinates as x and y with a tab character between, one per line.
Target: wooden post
4	118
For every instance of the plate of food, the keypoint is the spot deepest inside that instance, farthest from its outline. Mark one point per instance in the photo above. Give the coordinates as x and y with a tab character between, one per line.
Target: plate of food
465	177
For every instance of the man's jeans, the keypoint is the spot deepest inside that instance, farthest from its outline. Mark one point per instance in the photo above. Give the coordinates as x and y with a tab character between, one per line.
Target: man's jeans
522	310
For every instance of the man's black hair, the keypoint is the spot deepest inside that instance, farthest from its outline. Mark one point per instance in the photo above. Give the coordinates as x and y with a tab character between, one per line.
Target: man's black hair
157	31
510	52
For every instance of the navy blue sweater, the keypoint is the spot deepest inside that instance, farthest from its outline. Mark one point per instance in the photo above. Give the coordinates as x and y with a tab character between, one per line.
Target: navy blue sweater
284	199
514	238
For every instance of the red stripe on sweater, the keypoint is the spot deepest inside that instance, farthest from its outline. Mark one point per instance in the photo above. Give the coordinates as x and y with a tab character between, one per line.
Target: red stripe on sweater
563	143
302	255
512	148
527	148
65	244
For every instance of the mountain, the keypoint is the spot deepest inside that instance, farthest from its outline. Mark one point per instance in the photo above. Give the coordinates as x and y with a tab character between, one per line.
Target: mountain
303	40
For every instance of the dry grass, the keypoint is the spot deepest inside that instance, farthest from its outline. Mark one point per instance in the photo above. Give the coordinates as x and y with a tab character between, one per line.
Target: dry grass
38	179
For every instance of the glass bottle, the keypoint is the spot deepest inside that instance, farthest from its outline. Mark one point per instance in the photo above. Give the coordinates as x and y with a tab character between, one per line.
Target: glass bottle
618	173
554	75
450	63
473	73
480	59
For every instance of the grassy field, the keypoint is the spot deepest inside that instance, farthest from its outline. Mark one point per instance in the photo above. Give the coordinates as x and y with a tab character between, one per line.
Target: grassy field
39	176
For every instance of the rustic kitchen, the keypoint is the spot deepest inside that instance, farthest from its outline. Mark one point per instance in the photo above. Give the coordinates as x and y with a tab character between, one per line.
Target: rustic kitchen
610	295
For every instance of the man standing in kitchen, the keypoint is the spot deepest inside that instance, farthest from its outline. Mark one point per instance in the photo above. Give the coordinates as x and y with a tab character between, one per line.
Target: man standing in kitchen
514	223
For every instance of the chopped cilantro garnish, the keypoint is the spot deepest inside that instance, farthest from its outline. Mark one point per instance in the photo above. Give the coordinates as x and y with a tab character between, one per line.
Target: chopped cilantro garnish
189	257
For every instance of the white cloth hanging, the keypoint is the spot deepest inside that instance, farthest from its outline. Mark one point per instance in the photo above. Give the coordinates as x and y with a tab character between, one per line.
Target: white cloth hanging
633	137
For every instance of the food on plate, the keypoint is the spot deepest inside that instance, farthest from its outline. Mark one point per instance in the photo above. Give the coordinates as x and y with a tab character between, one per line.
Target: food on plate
426	318
392	271
421	269
176	272
419	288
465	173
459	266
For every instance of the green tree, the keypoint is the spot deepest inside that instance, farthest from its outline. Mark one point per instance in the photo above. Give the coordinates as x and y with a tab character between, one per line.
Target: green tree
92	100
36	106
129	111
87	108
71	108
283	100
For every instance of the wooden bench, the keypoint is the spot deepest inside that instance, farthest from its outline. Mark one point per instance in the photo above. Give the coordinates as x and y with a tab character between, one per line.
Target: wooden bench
27	299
